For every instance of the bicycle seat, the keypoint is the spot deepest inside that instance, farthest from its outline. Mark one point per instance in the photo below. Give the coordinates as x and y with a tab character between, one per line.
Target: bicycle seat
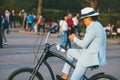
94	67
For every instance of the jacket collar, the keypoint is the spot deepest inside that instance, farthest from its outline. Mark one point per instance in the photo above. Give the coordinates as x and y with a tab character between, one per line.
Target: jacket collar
90	25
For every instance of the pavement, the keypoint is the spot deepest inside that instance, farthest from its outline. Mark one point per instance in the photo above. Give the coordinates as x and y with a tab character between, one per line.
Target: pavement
109	40
19	53
113	41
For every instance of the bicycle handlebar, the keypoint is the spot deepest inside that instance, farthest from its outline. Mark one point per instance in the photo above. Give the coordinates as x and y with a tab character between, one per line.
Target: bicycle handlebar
47	46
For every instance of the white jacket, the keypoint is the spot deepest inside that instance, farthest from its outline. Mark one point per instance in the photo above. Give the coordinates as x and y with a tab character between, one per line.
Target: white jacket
93	45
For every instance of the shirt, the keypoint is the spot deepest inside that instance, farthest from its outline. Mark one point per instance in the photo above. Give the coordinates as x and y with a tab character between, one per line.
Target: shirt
64	25
30	19
75	21
70	22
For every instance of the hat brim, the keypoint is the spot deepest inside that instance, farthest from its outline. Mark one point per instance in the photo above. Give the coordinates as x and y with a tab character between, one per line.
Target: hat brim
95	14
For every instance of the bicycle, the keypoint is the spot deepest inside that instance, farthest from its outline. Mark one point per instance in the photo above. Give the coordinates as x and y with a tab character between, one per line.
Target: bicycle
34	74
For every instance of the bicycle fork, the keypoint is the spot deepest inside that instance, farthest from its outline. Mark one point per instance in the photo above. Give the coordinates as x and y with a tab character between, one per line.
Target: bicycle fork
36	68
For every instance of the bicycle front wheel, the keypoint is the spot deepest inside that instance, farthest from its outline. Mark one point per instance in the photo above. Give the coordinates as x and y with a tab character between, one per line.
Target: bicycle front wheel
24	74
103	77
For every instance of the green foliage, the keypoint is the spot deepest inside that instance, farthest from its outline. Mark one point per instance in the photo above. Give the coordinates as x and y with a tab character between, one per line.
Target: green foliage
17	5
111	6
52	14
109	18
52	9
71	5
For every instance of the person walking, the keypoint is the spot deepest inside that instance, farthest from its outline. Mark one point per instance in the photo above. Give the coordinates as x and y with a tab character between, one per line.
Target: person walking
93	45
21	17
25	21
41	24
1	41
63	30
5	27
76	24
34	21
12	20
30	21
70	29
7	14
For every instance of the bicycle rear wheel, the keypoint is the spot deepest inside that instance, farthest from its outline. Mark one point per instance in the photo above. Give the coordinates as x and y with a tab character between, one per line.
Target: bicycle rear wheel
24	74
103	77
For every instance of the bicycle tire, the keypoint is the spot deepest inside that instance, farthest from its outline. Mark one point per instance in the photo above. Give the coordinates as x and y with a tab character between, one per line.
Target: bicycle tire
24	70
103	77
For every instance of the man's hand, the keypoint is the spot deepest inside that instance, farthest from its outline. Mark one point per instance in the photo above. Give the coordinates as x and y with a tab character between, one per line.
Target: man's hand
71	37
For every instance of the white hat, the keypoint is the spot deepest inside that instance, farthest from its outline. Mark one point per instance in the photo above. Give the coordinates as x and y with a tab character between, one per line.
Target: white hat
88	11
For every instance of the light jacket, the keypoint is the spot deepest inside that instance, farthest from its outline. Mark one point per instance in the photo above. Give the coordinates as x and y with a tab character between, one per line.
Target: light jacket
93	45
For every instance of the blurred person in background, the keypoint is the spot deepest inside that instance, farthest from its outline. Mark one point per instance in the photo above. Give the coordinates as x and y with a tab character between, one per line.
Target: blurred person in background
12	20
1	19
7	14
34	21
41	24
30	19
70	29
76	24
25	20
21	17
5	27
63	30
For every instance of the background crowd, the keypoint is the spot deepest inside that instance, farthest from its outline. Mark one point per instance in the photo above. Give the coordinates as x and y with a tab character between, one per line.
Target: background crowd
67	25
28	21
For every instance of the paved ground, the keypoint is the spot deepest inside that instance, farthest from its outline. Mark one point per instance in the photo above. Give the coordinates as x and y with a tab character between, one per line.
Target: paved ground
19	53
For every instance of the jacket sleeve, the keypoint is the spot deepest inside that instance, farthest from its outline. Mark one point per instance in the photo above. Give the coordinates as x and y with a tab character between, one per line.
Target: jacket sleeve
89	37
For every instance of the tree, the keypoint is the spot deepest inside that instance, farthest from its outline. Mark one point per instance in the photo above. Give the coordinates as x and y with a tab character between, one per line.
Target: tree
92	3
39	8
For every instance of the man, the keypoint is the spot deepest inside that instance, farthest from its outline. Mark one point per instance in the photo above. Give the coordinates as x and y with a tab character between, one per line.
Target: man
70	29
30	21
25	20
7	14
12	20
93	45
1	41
70	23
41	24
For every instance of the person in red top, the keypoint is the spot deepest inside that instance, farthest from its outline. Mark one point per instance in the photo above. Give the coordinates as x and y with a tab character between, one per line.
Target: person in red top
70	29
70	23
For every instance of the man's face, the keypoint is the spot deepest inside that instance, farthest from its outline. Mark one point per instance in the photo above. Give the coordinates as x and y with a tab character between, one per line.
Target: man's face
85	21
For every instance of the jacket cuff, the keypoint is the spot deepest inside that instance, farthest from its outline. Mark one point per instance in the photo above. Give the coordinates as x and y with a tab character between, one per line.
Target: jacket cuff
75	39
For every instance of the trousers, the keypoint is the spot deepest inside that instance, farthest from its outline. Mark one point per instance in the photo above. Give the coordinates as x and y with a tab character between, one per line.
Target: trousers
79	71
63	37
